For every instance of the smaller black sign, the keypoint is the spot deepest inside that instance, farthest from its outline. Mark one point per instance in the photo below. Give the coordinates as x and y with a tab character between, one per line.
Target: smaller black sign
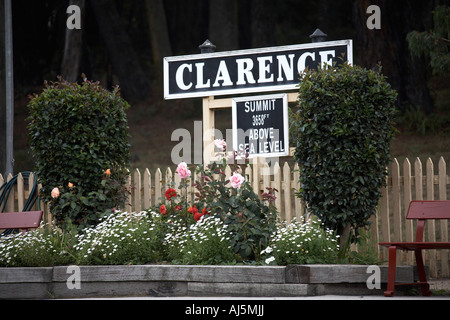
260	125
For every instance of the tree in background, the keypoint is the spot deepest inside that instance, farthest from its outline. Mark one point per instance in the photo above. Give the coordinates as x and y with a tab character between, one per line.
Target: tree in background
125	61
388	46
126	40
434	44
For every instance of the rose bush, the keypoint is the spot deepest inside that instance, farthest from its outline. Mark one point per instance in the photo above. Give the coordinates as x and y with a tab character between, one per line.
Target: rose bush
250	220
76	131
73	206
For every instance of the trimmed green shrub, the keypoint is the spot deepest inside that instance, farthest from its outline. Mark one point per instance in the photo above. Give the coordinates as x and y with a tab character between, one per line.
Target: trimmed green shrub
343	128
77	133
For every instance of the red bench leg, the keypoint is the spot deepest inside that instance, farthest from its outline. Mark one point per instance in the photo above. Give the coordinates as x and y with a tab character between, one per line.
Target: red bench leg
425	287
391	273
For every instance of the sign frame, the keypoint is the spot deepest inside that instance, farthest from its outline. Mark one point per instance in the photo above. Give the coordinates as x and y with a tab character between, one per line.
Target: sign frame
167	61
284	98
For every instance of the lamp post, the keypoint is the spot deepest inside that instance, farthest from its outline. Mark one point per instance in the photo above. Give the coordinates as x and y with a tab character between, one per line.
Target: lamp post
9	88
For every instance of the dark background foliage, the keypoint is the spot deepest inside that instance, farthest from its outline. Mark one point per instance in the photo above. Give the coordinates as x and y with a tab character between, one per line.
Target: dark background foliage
122	42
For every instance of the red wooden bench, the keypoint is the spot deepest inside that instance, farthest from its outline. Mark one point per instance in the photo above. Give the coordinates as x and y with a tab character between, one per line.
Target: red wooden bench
20	220
422	211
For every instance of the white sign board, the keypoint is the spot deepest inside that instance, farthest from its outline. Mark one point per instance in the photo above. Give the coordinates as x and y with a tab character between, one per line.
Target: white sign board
246	71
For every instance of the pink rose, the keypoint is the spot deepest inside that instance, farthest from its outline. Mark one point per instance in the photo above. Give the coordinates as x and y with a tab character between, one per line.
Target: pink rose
236	180
221	144
55	193
183	170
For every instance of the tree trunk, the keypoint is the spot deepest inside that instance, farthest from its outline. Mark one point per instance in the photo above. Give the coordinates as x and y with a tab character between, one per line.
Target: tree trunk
344	241
133	81
263	23
388	46
223	24
159	35
73	48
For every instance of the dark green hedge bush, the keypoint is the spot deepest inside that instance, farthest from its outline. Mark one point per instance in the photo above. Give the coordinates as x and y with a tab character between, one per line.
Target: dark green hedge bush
343	128
77	132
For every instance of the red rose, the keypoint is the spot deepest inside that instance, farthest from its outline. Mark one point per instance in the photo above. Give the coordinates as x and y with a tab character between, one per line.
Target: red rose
197	216
204	211
163	210
170	193
178	208
193	210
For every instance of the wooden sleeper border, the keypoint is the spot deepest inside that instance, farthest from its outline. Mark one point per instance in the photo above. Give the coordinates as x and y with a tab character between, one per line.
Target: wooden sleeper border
193	281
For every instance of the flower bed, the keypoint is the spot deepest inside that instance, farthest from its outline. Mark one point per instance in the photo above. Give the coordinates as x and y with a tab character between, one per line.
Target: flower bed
148	237
226	222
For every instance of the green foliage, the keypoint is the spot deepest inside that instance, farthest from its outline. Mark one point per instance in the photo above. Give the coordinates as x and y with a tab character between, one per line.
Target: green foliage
342	130
87	208
413	120
144	237
204	242
302	242
122	238
250	220
434	43
77	132
366	251
45	246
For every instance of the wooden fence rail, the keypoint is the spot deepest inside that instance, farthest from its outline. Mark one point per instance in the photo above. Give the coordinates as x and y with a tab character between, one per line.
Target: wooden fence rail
405	182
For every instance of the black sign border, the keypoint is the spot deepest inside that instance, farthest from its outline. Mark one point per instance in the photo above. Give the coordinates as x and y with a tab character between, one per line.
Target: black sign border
236	53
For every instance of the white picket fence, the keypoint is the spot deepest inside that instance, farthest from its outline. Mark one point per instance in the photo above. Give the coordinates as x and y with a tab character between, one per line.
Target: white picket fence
405	182
285	180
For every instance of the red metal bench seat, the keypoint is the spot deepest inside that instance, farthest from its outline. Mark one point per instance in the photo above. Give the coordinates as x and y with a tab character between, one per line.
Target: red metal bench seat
20	220
422	211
